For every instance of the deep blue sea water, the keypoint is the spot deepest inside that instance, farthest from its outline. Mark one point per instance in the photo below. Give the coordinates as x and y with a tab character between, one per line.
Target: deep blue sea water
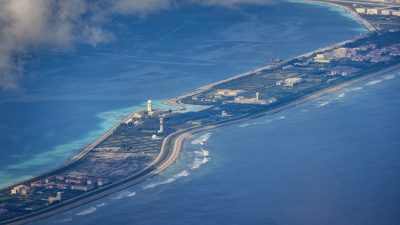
330	161
68	99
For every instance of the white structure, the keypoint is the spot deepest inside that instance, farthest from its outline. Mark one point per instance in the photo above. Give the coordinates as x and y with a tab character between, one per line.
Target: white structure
54	199
372	11
361	10
161	125
150	107
257	96
290	82
396	12
154	137
21	190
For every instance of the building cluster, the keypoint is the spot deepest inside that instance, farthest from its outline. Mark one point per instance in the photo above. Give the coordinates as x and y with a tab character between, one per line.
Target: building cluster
336	54
138	118
377	11
341	70
370	53
61	182
365	53
22	190
256	100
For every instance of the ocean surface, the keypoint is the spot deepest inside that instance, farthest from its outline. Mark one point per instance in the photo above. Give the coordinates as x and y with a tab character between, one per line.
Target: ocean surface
67	99
330	161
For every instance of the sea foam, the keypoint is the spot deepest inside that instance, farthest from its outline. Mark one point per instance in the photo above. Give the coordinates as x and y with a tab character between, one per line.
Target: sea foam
323	104
374	82
198	162
86	211
201	139
390	77
156	184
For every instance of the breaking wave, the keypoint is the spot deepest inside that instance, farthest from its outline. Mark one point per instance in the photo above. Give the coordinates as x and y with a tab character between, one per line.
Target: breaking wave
263	122
341	95
202	152
86	211
101	205
390	77
374	82
198	162
323	104
124	194
131	194
201	139
63	221
156	184
356	88
182	174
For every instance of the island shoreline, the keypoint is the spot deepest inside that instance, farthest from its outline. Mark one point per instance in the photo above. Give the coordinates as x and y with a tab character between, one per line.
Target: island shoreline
178	139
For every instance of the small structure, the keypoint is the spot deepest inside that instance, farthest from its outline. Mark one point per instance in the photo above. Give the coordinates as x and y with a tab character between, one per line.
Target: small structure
52	199
289	82
38	183
138	123
279	82
228	92
21	190
360	10
322	58
161	130
385	12
372	11
60	177
257	96
102	181
340	53
395	12
82	187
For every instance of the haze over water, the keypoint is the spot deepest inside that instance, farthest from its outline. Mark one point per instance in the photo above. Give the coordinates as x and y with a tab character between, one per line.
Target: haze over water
331	161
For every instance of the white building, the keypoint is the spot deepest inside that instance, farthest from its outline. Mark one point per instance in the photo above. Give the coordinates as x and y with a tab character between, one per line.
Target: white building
150	107
290	82
52	199
21	190
372	11
361	10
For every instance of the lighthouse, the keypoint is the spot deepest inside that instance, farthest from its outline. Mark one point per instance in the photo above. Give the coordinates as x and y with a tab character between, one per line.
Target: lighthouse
149	107
258	96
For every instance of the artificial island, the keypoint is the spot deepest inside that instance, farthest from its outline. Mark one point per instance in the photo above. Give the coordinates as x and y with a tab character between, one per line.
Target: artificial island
147	142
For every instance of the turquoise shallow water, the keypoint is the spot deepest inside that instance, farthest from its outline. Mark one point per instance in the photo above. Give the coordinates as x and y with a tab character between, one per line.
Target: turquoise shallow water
68	99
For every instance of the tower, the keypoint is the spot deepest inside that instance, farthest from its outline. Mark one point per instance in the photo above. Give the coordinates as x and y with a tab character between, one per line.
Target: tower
258	96
161	125
149	107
